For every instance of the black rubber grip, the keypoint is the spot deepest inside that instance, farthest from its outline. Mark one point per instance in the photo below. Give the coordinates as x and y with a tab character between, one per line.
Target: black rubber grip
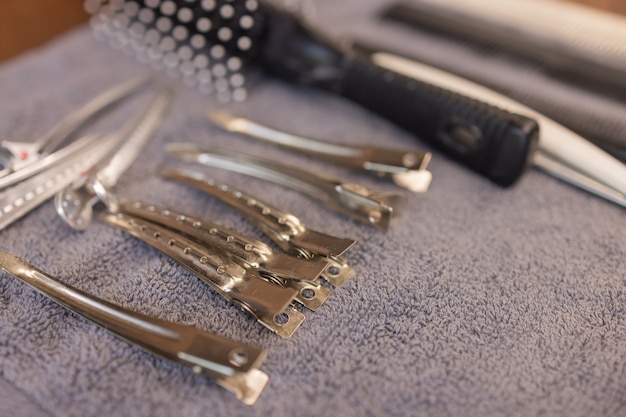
489	140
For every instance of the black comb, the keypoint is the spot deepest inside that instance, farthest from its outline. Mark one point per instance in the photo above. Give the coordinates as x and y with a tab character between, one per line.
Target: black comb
209	42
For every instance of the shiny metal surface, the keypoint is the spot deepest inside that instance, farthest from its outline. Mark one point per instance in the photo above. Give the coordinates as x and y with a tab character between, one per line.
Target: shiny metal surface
285	270
406	168
75	203
371	207
16	156
285	229
233	364
28	194
269	303
47	162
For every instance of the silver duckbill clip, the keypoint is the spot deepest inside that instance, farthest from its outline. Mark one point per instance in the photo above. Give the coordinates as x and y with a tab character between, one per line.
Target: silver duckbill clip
374	208
269	303
406	168
234	365
281	269
285	229
34	175
74	204
20	160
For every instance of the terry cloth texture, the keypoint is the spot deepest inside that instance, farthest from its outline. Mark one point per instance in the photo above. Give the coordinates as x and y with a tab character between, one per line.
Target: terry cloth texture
480	301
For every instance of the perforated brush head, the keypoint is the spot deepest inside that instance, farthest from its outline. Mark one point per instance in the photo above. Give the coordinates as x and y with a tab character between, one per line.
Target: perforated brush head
209	44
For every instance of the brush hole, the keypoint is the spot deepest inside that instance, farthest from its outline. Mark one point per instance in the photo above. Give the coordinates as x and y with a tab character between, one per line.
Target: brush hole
219	71
152	37
201	61
168	8
208	5
237	80
246	22
146	16
252	5
164	24
227	11
185	15
224	34
180	33
244	43
198	41
137	30
204	24
233	63
218	52
185	53
167	44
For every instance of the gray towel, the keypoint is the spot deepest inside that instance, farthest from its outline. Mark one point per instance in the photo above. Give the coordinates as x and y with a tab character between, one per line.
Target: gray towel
479	301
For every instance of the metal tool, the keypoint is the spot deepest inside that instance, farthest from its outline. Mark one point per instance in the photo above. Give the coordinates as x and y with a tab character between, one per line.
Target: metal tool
284	270
21	199
285	229
561	153
406	168
19	160
75	203
234	365
266	301
39	176
49	162
374	208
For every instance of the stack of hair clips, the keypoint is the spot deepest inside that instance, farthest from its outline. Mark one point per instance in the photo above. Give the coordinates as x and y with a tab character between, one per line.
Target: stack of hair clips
265	283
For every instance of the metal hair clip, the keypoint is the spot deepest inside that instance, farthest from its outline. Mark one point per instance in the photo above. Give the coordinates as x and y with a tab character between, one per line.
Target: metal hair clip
51	161
75	203
279	268
19	200
39	177
20	160
370	207
234	365
285	229
268	302
406	168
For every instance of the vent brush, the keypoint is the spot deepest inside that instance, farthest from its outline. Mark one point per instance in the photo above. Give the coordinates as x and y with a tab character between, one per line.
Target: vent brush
211	43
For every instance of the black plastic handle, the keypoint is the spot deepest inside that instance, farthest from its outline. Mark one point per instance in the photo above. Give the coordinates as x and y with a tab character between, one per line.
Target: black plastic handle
489	140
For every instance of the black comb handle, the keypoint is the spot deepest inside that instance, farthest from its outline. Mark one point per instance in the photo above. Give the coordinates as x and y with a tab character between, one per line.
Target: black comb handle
489	140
